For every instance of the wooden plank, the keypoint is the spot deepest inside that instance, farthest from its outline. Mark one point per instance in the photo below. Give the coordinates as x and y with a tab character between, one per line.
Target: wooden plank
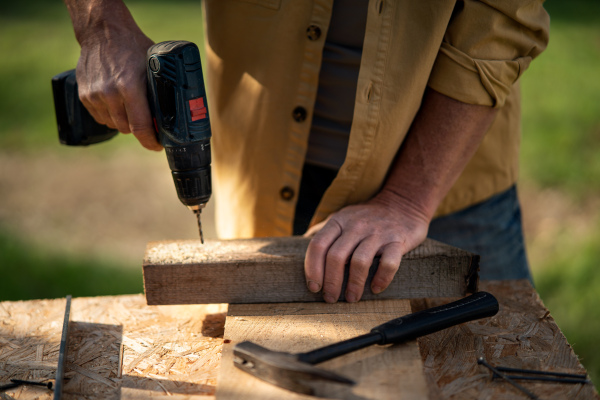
271	270
521	335
390	372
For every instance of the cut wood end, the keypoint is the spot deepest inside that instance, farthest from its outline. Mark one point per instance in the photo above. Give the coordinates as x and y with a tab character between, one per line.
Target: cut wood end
212	251
194	252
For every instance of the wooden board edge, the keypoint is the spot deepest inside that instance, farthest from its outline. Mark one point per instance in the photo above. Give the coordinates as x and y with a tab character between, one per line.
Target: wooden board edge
283	282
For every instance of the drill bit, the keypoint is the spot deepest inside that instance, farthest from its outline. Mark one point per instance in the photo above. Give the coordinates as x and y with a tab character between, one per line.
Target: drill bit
198	212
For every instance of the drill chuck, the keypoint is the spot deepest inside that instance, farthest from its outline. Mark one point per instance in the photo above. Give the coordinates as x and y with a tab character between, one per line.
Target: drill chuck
190	168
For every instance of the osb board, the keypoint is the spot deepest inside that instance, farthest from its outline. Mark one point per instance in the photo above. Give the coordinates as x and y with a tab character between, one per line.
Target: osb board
521	335
119	348
271	270
30	335
382	373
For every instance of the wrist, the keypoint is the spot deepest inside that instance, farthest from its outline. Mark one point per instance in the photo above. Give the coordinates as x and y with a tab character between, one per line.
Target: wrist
98	21
406	203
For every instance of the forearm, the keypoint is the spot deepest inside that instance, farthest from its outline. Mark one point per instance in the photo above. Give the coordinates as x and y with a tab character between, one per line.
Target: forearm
95	20
444	136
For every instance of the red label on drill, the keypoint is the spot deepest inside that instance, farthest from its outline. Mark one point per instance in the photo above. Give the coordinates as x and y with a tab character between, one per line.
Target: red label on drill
197	109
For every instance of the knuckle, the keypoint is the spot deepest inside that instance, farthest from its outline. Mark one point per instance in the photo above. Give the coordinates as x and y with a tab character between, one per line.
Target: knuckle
361	263
122	84
336	257
318	244
332	286
384	278
361	224
356	282
140	129
110	94
387	267
91	97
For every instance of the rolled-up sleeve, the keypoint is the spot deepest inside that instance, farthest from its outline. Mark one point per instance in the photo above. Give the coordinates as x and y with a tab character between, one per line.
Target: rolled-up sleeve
486	48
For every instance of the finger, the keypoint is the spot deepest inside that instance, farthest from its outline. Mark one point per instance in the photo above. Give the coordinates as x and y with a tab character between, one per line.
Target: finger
360	264
335	263
116	110
315	228
388	266
314	262
97	108
140	120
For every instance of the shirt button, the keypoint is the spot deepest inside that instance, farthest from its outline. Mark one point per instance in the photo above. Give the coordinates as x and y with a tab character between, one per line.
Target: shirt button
286	193
299	114
313	32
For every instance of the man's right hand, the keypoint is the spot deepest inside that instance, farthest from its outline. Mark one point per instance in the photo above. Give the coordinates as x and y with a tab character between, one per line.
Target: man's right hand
111	72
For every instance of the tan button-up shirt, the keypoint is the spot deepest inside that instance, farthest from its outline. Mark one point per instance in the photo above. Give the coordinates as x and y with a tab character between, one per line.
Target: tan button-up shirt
263	71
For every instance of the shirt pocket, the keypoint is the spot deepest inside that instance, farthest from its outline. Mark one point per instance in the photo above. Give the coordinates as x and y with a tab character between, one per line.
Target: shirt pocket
272	4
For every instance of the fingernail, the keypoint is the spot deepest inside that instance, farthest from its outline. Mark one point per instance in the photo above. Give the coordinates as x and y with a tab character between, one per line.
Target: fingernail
328	298
313	286
350	297
377	289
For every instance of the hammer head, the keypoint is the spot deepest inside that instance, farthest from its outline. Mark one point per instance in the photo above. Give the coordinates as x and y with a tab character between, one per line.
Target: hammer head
283	369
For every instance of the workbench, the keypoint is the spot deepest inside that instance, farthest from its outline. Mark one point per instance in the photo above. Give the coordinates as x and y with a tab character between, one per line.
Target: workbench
120	348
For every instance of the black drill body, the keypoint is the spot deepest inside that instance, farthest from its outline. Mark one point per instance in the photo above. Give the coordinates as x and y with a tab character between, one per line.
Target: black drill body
177	99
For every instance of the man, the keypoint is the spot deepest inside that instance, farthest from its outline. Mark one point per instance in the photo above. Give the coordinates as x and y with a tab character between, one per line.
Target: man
434	129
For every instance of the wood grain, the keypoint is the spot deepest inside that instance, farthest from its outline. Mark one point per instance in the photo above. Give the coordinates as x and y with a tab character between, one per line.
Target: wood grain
271	270
391	372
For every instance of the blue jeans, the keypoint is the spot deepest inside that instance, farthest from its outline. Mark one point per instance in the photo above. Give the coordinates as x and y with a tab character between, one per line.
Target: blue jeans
491	229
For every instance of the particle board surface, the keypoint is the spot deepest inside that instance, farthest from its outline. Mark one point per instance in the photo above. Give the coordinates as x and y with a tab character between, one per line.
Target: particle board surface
390	372
119	348
123	349
522	335
271	270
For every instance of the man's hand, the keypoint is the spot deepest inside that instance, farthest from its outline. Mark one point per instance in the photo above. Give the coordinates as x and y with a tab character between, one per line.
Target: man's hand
384	226
111	72
444	136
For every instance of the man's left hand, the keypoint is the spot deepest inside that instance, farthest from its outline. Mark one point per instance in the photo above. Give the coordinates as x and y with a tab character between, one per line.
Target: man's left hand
385	226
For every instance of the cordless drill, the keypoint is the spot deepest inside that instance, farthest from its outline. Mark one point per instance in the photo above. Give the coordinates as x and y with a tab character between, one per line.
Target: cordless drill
177	99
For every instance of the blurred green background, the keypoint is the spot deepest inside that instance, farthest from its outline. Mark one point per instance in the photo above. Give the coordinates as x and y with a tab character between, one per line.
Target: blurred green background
76	221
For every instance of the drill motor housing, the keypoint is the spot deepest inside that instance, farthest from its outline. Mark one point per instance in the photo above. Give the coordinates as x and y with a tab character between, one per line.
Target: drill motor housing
177	99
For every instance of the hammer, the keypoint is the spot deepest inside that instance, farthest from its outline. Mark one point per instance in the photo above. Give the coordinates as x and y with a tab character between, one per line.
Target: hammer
296	372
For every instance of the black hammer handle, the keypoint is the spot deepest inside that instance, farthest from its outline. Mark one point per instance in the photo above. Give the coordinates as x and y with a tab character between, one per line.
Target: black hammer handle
412	326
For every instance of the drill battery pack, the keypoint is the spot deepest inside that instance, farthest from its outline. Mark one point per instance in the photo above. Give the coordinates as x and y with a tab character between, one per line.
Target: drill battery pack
76	126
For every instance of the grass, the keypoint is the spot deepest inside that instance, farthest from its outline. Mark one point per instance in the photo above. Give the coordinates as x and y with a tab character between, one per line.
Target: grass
561	98
43	273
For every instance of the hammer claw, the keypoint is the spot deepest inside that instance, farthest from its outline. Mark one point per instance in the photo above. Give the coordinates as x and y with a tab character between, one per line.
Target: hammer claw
282	369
